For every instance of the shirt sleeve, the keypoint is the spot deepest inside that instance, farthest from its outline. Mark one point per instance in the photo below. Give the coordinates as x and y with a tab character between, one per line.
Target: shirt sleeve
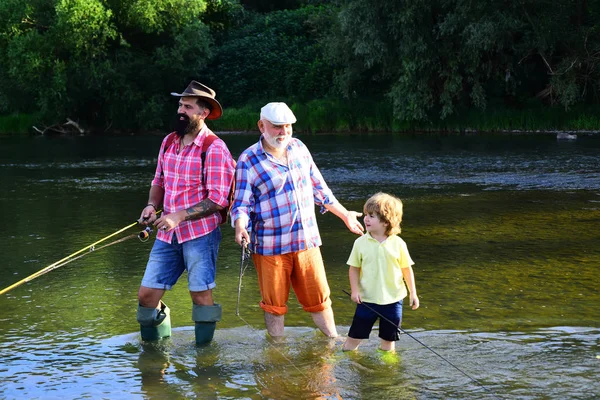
321	192
355	258
219	172
243	200
158	174
405	260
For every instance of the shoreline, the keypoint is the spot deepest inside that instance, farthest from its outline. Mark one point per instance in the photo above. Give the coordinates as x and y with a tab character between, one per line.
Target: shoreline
453	132
560	134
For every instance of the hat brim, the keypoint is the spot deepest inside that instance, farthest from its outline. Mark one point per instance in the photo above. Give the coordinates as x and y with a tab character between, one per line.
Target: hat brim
215	107
286	122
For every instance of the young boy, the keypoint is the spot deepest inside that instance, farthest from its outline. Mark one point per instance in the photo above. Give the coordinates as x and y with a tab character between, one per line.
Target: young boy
379	267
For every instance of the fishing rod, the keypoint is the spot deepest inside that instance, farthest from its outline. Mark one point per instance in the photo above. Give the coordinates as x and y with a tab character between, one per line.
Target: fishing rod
428	348
244	257
143	236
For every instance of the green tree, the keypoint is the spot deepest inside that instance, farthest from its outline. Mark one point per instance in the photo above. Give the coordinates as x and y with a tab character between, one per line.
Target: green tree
434	59
273	56
563	38
110	64
266	6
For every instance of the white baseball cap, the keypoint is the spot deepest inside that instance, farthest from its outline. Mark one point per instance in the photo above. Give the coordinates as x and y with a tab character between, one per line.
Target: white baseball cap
277	114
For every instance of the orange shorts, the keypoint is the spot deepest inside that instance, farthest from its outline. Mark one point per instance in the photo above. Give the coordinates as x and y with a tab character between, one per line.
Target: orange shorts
304	270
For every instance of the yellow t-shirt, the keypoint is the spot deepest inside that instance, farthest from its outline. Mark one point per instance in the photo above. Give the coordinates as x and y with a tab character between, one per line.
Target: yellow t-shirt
381	280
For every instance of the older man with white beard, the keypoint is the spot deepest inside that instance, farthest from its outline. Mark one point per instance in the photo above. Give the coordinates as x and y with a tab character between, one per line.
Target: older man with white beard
277	187
192	182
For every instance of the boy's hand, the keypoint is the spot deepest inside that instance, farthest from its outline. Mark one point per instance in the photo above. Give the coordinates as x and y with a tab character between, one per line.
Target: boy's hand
414	301
355	296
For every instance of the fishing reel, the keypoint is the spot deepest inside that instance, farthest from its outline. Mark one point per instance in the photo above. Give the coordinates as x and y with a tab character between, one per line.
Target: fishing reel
145	234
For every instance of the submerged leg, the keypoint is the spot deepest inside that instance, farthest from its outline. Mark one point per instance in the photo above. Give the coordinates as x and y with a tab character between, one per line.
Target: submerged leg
325	322
274	324
386	345
351	344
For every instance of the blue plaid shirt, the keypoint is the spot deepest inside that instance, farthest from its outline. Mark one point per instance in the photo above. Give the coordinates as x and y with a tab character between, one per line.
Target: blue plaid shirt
279	200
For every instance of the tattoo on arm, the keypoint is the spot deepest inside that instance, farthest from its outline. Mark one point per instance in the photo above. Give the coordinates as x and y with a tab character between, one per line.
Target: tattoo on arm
201	210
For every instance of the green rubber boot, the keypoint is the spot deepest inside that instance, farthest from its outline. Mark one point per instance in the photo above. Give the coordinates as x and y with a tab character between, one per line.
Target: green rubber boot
206	318
155	323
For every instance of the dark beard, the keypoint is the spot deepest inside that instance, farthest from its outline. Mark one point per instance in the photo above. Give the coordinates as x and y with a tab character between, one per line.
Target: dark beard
181	124
185	125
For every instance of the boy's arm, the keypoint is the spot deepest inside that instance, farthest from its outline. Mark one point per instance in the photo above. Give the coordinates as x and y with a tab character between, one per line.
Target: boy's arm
354	275
409	278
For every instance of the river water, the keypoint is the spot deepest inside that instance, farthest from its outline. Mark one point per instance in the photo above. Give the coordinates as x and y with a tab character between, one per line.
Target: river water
503	230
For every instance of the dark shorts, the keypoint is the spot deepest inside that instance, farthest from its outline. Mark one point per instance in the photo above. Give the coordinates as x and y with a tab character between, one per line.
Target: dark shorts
364	319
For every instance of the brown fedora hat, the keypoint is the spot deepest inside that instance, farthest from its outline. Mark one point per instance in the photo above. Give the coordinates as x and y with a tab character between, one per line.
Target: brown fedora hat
197	89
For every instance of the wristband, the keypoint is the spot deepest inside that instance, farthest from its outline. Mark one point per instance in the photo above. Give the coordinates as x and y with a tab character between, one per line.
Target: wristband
150	204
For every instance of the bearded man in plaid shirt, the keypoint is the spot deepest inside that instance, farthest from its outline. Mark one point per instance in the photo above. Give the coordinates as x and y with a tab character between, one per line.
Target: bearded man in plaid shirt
277	188
192	183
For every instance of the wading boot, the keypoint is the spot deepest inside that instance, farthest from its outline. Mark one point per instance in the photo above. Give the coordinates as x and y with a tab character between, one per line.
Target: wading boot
206	318
155	323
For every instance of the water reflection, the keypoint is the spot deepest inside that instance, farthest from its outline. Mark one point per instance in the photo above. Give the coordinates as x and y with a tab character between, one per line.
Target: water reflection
241	363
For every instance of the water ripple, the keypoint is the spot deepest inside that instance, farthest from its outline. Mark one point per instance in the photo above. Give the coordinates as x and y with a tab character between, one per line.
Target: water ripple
559	362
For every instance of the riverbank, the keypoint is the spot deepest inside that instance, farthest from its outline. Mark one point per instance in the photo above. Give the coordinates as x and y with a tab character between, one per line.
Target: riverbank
337	116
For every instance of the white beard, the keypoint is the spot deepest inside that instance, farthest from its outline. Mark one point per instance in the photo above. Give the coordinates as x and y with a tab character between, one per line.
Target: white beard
275	143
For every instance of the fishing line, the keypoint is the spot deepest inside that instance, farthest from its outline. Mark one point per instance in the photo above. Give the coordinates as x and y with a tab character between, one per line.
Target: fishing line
244	257
274	347
428	348
71	257
244	263
46	270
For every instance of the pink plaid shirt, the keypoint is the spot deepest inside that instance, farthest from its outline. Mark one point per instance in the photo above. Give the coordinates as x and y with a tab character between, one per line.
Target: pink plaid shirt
180	175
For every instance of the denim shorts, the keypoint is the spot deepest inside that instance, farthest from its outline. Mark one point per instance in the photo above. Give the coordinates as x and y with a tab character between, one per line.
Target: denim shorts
365	317
168	261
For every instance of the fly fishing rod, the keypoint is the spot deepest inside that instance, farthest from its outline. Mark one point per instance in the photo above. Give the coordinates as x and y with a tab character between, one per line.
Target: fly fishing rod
143	235
244	257
428	348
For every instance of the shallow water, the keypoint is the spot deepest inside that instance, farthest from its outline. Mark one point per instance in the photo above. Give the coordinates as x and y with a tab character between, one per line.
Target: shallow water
503	230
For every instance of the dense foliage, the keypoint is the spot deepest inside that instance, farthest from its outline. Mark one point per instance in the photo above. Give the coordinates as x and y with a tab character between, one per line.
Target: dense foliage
111	64
275	56
106	63
435	58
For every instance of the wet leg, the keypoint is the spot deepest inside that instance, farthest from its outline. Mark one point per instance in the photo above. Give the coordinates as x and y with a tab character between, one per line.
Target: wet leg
388	346
325	322
351	344
274	324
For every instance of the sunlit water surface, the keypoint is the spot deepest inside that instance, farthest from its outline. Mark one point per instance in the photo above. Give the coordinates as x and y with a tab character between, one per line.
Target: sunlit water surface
503	230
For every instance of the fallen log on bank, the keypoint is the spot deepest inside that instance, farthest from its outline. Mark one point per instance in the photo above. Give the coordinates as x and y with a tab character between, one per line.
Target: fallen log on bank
68	128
